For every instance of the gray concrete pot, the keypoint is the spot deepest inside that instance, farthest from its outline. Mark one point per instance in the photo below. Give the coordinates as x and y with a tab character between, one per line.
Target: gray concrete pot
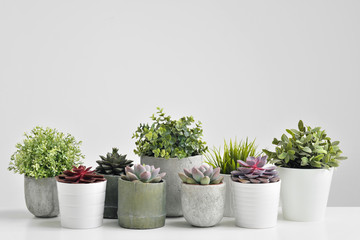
229	205
172	167
141	205
203	205
41	196
111	196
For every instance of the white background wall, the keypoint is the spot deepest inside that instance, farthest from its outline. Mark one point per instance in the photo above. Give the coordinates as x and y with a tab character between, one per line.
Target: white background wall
96	69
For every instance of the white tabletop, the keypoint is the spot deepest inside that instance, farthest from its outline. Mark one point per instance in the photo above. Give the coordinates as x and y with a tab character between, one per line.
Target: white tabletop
339	223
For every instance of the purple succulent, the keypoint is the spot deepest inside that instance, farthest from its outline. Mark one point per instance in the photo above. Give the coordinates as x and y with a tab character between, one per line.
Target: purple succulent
254	171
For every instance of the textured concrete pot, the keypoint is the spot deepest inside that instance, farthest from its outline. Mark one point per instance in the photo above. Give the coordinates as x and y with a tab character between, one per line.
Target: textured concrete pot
172	167
81	205
111	196
41	196
203	205
304	193
256	205
229	205
141	205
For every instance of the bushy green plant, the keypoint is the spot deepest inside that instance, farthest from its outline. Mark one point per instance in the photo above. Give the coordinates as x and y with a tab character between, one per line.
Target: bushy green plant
233	151
45	153
306	148
167	138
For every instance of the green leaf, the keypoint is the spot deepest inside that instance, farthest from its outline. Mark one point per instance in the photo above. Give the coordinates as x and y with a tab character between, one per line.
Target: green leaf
307	149
304	161
283	155
301	126
335	143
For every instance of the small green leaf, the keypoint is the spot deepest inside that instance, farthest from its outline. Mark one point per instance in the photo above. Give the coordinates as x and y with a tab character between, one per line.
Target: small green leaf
307	149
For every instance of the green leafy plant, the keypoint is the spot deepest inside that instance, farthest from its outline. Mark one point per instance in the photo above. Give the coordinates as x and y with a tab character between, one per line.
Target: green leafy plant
45	153
306	148
169	138
233	151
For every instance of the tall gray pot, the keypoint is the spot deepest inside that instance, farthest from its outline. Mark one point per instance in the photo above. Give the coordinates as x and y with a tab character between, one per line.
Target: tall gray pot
172	167
141	205
111	196
41	196
203	205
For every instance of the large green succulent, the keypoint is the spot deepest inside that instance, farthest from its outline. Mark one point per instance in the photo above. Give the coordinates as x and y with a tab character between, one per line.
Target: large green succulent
167	138
305	148
113	164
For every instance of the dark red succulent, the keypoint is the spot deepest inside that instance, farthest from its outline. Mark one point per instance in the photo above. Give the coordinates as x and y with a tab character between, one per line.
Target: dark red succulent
80	174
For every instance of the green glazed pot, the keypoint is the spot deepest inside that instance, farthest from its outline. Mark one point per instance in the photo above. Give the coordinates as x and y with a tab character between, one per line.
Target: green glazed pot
141	205
111	196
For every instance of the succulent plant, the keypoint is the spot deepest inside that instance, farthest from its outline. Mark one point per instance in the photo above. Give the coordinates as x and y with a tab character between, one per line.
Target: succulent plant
143	173
114	163
306	148
80	174
255	171
203	175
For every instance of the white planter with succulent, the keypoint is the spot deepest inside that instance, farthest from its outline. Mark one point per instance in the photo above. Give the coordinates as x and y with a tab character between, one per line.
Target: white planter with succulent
256	192
306	163
81	198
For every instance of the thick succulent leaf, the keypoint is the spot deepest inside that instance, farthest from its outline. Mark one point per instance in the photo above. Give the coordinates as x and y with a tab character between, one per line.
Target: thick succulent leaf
155	180
147	168
197	174
131	176
216	173
218	180
138	169
155	172
208	172
262	161
245	170
128	169
251	176
244	181
258	172
162	175
191	181
183	177
242	163
205	180
187	173
145	176
253	180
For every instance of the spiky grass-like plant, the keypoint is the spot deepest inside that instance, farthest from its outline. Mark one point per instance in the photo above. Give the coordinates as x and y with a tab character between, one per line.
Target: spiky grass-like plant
233	151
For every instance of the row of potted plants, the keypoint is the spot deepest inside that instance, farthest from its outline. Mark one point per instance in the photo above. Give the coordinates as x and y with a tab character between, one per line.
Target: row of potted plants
237	182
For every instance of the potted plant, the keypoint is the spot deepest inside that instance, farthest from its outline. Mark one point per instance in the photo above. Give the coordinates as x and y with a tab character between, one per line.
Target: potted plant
202	196
227	162
81	198
44	154
112	166
256	192
171	145
306	162
142	198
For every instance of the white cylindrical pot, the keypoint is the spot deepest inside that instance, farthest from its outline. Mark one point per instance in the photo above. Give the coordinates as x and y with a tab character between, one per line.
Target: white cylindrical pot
304	193
256	205
172	167
229	206
203	205
81	205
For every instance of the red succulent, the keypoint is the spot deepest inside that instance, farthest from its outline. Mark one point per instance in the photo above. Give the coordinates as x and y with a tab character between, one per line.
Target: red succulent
80	174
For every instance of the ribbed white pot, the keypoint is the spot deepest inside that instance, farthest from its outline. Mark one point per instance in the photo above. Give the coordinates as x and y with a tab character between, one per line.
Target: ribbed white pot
256	205
304	193
81	205
229	205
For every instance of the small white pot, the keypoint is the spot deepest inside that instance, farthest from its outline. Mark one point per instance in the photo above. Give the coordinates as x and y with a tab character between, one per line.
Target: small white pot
229	205
81	205
304	193
256	205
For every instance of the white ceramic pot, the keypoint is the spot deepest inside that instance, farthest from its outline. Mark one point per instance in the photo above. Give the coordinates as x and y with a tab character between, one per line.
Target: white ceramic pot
304	193
81	205
229	206
256	205
203	205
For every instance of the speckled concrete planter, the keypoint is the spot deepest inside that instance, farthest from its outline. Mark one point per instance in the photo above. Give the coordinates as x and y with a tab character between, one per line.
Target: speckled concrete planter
304	193
256	205
41	196
111	196
229	205
172	167
141	205
81	205
203	205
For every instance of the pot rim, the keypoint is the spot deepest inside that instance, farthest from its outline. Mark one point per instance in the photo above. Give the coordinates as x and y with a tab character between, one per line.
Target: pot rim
39	178
248	185
305	169
82	184
207	185
173	159
139	182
